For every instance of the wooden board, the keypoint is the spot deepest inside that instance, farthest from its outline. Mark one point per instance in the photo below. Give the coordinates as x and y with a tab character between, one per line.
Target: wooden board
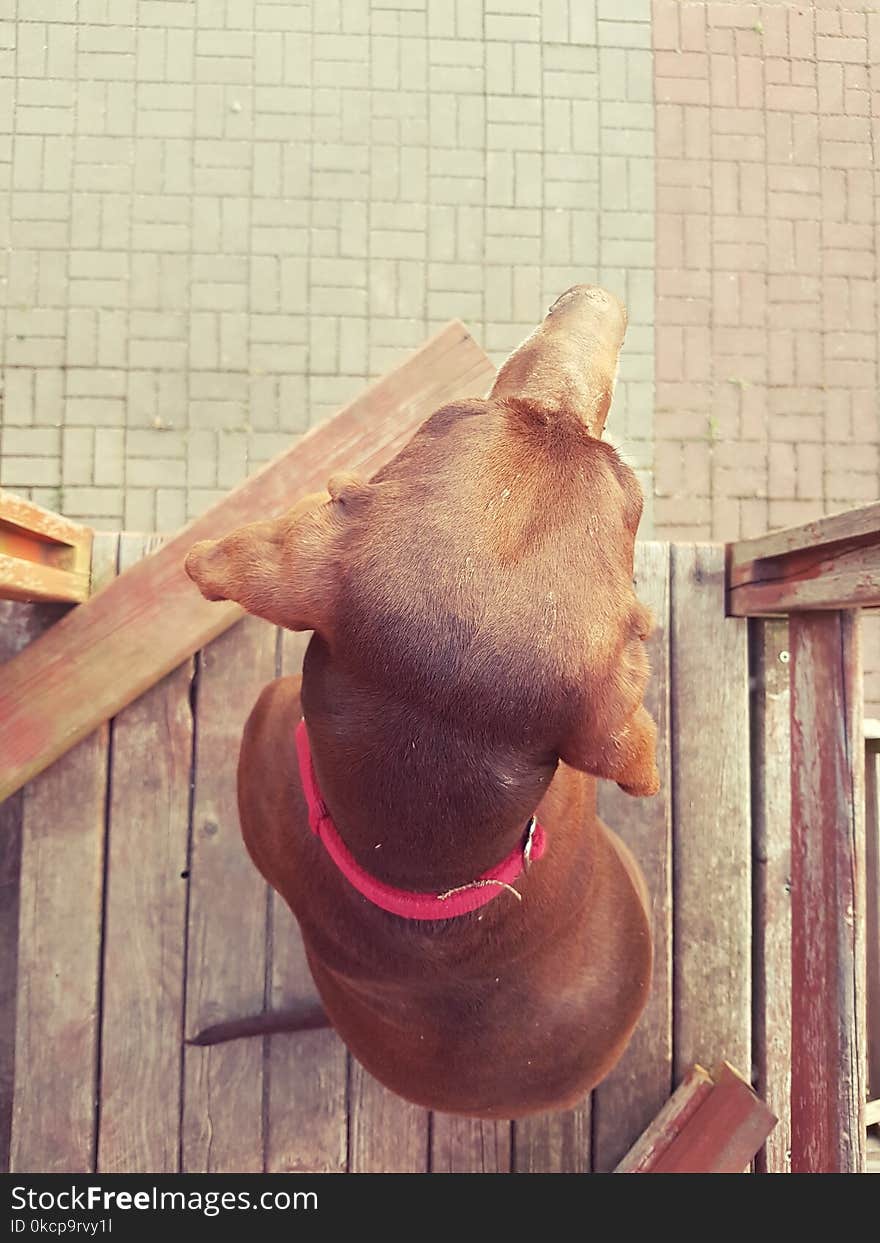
828	900
42	555
111	649
872	918
387	1135
712	881
848	578
771	819
222	1127
22	578
630	1097
670	1122
853	524
469	1146
20	624
307	1129
707	1128
145	922
554	1143
56	1040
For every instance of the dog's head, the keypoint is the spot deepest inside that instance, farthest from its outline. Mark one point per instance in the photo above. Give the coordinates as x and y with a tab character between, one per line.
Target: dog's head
486	572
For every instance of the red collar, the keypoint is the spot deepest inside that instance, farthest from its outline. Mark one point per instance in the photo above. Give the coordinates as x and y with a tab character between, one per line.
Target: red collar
458	901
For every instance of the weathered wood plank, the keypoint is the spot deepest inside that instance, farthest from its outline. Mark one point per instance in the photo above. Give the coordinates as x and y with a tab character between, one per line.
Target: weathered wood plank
670	1122
24	579
20	624
847	578
307	1072
42	555
387	1135
17	513
872	920
828	899
712	829
145	921
222	1128
630	1097
129	636
853	524
555	1143
62	863
469	1146
771	821
710	1126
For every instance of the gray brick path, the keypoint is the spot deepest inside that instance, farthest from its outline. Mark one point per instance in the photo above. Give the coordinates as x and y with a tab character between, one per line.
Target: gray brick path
224	216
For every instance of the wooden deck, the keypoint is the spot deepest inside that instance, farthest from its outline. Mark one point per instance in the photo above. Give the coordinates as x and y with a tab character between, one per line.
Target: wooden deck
141	919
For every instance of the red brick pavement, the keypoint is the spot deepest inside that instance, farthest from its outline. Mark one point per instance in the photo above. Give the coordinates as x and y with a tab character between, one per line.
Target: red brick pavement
768	121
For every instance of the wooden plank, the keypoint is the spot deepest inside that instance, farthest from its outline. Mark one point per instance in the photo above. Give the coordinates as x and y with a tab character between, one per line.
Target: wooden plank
872	918
713	1127
629	1098
24	579
712	829
771	840
307	1087
20	624
469	1145
222	1126
21	514
853	524
828	898
670	1121
872	1113
847	578
145	921
387	1135
62	864
147	623
553	1143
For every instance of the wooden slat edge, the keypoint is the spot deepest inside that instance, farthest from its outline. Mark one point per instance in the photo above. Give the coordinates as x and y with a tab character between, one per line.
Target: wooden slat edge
771	870
31	582
834	528
828	897
59	971
724	1134
672	1118
712	1125
36	520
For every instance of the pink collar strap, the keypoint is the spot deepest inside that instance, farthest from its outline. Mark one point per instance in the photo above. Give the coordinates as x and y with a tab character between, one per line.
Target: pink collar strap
458	901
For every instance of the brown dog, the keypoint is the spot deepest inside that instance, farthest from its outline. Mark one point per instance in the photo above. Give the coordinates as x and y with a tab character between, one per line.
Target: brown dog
477	657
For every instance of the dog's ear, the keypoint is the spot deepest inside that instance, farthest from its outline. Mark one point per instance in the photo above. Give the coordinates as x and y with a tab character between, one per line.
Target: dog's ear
611	734
284	569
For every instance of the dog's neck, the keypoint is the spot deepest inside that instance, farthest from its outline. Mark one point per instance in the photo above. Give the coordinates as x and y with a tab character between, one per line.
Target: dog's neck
420	804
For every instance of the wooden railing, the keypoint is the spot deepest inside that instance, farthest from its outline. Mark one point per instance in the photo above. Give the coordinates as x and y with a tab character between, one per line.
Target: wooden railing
43	557
820	575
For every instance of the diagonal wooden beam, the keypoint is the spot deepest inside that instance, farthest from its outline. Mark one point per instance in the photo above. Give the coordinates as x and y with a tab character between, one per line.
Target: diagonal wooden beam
106	652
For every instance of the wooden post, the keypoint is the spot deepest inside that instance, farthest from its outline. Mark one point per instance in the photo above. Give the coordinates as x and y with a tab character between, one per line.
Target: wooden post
828	896
872	922
770	711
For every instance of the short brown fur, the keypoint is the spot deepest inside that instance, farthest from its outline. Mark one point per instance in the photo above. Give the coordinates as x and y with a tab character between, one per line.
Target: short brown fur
478	654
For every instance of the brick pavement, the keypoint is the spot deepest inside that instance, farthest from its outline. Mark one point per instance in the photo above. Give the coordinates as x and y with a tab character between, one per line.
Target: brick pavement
768	125
226	215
